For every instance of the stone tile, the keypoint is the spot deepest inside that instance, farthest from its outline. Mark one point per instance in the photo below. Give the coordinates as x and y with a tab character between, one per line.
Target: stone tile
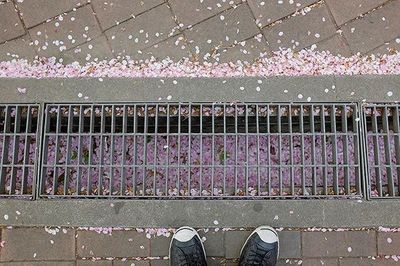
37	11
246	51
189	12
344	10
39	263
159	263
16	49
301	30
35	244
119	244
11	26
335	45
50	39
143	31
131	263
339	244
234	240
388	243
95	50
111	12
320	262
367	262
159	246
267	12
174	48
94	263
289	244
371	31
214	244
387	48
232	26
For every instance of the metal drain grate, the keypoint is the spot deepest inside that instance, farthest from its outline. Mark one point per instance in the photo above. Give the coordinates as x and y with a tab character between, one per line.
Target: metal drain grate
383	149
18	139
201	150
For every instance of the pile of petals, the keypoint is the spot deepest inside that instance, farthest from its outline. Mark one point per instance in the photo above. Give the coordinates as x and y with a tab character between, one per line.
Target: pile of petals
282	63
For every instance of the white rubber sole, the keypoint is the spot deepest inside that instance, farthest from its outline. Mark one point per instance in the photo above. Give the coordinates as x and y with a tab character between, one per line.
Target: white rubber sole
196	234
258	229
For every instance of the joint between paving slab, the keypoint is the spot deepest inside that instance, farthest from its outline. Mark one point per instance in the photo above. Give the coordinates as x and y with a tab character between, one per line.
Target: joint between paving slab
365	13
59	14
131	17
280	20
101	29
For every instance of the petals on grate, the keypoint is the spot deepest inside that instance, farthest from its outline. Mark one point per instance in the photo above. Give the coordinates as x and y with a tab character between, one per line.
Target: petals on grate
18	142
383	149
201	150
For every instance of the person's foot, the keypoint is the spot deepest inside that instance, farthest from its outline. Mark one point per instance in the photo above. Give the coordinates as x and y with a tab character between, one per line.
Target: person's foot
186	248
261	248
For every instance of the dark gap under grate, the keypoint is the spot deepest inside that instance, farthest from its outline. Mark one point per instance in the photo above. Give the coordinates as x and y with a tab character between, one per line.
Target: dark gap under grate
383	149
201	151
18	142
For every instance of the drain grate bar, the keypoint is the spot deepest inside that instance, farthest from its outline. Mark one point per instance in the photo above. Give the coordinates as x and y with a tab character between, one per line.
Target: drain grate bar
200	150
383	149
18	140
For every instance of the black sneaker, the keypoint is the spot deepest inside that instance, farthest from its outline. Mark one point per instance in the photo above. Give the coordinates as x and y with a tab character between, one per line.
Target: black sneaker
261	248
186	248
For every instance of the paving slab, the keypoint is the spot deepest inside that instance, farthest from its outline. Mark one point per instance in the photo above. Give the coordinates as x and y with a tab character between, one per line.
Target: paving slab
94	263
65	32
246	51
159	245
374	29
40	245
174	48
335	45
120	244
320	262
234	241
302	30
267	12
143	31
344	10
37	11
112	12
159	263
290	244
346	244
17	49
92	51
367	262
214	242
11	25
390	47
388	243
189	12
230	27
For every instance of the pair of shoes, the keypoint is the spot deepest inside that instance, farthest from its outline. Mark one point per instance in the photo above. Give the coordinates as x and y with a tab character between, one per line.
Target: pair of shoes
260	248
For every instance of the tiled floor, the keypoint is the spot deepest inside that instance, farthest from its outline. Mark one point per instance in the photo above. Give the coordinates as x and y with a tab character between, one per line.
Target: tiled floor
67	246
211	30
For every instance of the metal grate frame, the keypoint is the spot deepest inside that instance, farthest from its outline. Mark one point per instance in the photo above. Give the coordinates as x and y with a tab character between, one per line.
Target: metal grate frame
19	137
81	141
382	140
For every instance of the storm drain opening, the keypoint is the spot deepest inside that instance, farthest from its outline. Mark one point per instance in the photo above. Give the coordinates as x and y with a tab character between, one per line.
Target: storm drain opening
201	150
383	149
18	149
